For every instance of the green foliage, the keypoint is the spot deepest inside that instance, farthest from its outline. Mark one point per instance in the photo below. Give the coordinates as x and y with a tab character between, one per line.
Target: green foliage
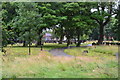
7	16
116	27
8	11
28	19
73	17
102	13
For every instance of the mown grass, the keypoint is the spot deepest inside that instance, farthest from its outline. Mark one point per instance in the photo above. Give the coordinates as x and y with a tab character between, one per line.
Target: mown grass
18	64
100	50
18	50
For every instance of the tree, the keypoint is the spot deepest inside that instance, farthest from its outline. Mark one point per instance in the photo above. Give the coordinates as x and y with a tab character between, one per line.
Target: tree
95	33
59	32
26	22
59	29
73	17
8	13
102	15
116	28
48	19
76	19
82	22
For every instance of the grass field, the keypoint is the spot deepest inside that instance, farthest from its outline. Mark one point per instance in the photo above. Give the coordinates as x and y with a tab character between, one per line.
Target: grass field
18	50
104	56
100	50
100	62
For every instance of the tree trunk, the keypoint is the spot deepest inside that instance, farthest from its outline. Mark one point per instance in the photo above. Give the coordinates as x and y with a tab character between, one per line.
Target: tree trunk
29	44
39	41
24	44
62	35
29	51
75	41
78	41
68	42
101	35
61	38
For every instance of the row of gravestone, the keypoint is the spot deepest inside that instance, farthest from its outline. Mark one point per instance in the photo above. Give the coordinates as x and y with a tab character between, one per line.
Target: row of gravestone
107	43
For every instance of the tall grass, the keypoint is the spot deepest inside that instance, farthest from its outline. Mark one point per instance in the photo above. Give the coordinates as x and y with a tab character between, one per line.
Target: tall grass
44	66
18	64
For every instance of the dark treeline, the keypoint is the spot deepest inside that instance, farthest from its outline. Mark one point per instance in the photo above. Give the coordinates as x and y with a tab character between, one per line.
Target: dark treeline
25	22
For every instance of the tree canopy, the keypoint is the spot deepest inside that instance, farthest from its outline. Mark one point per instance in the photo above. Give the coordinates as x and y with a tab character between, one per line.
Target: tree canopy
25	22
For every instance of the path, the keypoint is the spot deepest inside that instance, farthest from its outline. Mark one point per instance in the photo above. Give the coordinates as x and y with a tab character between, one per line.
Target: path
60	52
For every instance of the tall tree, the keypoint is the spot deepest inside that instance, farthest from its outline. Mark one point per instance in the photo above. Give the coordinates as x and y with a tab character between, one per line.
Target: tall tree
26	22
78	20
116	28
102	15
8	13
48	19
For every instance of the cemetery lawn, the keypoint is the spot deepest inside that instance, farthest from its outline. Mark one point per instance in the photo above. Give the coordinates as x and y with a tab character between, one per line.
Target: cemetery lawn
100	62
